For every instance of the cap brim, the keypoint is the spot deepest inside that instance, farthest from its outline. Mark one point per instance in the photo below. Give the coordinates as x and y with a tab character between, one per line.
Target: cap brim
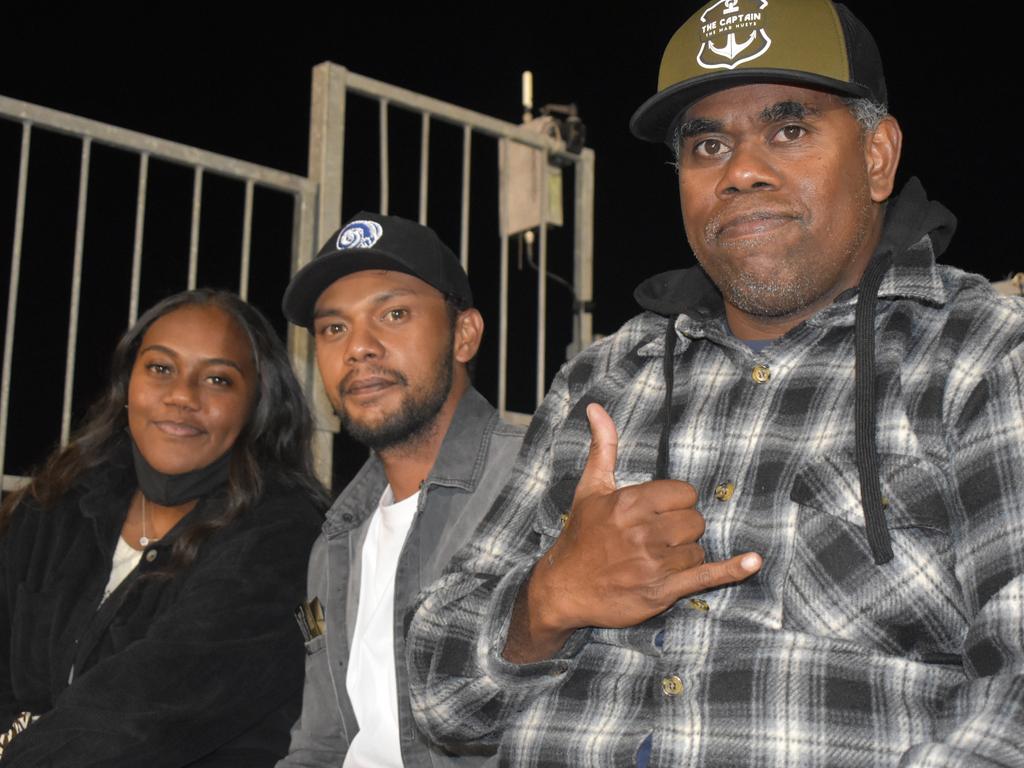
301	295
653	120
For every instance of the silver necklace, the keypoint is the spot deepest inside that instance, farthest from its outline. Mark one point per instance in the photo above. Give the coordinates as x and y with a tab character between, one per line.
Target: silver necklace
143	539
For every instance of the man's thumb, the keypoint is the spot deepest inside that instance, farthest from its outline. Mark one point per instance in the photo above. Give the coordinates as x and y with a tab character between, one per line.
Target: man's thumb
599	472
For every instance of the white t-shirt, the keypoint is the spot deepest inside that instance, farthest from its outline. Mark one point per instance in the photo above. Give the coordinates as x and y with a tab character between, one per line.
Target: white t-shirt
124	561
370	679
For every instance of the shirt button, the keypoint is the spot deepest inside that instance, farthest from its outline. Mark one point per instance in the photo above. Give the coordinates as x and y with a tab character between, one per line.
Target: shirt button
723	491
760	374
671	685
151	556
699	605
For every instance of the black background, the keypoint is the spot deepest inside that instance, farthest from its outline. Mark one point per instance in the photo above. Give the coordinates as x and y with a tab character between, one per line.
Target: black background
240	86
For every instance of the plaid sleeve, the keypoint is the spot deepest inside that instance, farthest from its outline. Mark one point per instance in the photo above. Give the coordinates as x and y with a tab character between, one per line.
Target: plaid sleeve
985	718
461	688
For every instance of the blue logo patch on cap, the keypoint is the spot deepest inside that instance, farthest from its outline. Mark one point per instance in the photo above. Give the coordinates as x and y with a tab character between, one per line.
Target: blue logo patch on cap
359	234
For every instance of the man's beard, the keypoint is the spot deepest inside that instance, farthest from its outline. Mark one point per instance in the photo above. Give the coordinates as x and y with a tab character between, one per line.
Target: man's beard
796	283
414	418
764	296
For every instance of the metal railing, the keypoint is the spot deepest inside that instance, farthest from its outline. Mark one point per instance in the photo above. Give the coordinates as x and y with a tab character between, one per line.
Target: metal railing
34	118
1011	286
332	86
317	211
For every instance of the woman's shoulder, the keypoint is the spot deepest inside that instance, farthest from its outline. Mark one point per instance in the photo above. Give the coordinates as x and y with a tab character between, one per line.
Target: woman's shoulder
271	538
109	477
295	503
284	509
28	513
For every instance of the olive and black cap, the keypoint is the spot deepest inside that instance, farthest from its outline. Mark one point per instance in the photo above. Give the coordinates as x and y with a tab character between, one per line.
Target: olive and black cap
811	43
375	241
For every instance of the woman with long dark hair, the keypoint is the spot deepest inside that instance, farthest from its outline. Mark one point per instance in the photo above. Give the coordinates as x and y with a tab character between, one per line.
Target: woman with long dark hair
150	571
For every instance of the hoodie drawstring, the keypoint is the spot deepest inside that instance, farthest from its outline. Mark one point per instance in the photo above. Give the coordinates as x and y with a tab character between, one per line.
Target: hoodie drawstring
865	418
669	374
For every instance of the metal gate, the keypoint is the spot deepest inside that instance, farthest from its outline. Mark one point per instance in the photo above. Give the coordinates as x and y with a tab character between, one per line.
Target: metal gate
316	209
330	123
147	150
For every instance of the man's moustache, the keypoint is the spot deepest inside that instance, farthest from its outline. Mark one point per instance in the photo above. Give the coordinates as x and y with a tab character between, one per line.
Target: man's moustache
394	377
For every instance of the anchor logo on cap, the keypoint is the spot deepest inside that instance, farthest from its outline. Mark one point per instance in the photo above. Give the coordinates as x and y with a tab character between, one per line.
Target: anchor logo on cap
733	33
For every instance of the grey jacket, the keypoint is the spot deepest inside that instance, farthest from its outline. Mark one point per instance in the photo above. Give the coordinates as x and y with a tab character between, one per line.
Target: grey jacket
474	461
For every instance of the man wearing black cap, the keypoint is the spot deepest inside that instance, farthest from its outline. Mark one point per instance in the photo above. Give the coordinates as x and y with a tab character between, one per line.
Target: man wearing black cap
847	416
390	310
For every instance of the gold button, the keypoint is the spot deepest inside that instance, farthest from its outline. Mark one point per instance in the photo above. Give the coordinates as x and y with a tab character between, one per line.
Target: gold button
699	605
760	374
723	491
671	685
151	556
564	518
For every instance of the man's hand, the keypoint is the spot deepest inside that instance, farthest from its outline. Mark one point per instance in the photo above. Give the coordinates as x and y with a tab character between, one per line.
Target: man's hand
624	556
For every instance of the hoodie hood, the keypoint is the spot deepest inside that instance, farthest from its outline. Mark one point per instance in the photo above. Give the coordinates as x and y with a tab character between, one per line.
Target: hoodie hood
909	218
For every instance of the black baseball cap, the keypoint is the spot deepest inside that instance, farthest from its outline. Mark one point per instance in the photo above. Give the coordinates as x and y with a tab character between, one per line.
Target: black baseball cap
374	241
814	43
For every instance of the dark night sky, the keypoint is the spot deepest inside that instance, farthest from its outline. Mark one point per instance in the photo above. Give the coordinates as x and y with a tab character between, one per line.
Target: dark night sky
241	88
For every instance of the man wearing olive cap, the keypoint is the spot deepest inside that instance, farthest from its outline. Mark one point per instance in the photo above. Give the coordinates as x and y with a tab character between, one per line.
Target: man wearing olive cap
846	415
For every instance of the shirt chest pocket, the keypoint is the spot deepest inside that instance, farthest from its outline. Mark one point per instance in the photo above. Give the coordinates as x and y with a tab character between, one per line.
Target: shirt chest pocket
910	605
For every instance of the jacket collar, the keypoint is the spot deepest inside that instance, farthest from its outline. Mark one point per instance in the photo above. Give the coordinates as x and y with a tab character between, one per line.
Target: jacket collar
917	230
460	461
459	464
106	492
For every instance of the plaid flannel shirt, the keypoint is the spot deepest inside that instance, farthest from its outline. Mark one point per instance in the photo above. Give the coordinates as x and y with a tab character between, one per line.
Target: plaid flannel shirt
824	657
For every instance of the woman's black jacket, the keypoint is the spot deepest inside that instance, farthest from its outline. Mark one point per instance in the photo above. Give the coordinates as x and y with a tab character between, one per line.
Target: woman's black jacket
202	668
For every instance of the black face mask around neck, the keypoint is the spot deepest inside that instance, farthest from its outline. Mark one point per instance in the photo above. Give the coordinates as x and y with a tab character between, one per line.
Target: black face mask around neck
171	490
